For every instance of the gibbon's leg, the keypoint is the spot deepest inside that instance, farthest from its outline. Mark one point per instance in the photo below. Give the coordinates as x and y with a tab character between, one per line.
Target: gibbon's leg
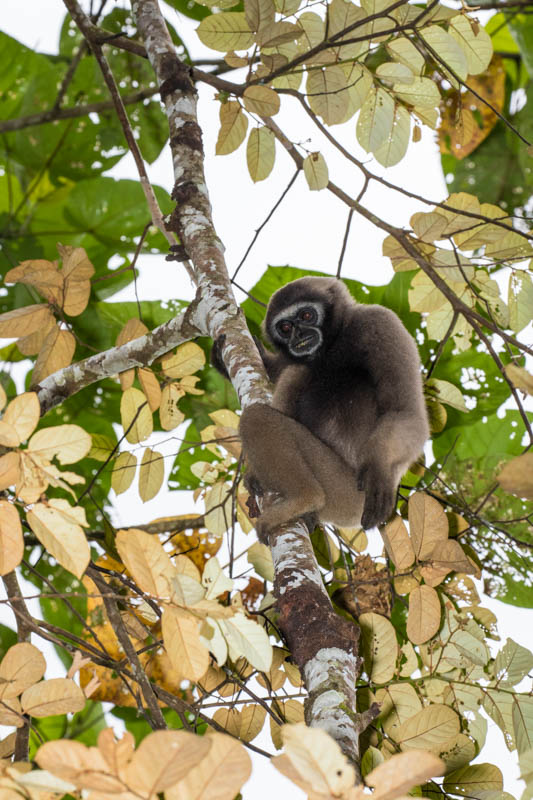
284	457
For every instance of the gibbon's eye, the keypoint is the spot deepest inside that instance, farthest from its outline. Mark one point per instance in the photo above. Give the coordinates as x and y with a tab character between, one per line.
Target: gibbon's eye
307	315
284	328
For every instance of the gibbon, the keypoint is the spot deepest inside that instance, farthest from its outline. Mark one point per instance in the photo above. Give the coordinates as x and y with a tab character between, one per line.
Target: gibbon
348	414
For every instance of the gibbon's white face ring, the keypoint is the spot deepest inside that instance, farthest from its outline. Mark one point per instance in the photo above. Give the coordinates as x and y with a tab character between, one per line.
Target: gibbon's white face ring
309	336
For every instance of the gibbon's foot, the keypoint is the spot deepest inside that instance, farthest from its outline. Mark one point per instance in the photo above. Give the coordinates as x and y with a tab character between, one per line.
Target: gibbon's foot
216	357
379	496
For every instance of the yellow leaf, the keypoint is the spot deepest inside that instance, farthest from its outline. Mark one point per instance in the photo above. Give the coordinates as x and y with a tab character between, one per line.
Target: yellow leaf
170	415
520	378
75	762
23	414
11	714
145	559
54	696
376	119
186	591
11	541
21	667
292	711
126	379
151	474
316	171
63	539
423	619
56	352
123	472
219	776
395	147
77	271
130	331
188	359
379	646
429	729
214	580
398	544
261	100
233	127
67	443
181	637
151	387
43	275
162	759
24	321
135	416
9	470
8	435
225	31
476	44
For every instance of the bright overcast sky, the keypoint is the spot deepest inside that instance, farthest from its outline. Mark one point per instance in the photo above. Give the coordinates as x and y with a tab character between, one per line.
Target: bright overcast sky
306	232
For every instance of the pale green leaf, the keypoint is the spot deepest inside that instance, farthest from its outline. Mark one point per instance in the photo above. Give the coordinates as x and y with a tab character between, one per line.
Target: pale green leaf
316	171
376	119
225	31
394	148
422	92
327	95
260	153
476	44
405	52
233	127
394	72
261	100
447	49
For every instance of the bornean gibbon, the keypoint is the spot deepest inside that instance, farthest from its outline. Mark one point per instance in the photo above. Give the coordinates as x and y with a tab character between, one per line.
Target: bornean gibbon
348	415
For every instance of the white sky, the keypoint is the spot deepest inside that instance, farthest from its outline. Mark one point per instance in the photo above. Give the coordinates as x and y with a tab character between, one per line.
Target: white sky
306	232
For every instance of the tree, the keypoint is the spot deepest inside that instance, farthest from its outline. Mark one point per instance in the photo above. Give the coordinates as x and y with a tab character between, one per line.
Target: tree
391	653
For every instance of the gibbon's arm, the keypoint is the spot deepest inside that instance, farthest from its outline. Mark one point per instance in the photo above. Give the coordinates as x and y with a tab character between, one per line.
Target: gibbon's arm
274	363
390	355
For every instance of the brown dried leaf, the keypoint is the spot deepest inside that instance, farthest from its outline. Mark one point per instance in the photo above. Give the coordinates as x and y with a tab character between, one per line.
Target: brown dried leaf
11	713
423	619
219	776
163	758
131	330
21	667
23	414
8	435
77	271
244	724
427	524
429	729
73	761
41	274
233	127
398	544
24	321
450	556
261	100
11	541
31	344
54	696
56	353
517	476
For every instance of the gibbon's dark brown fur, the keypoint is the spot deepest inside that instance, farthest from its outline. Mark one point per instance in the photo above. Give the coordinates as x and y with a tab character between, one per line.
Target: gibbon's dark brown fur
348	414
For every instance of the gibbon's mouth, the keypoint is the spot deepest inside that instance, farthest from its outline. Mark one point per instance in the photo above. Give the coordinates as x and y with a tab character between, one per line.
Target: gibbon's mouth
305	346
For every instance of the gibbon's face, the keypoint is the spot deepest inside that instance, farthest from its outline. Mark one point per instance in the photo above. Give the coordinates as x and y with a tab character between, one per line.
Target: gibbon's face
297	329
